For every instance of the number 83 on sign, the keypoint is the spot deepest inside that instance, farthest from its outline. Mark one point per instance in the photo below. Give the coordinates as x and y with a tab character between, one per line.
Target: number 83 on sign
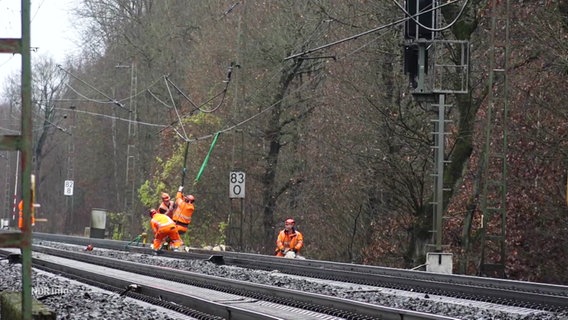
236	184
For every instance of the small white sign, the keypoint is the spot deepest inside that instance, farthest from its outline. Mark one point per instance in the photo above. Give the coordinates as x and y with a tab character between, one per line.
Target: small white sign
68	189
237	184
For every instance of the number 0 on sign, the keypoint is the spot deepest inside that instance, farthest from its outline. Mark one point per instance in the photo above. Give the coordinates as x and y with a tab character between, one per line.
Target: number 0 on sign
236	184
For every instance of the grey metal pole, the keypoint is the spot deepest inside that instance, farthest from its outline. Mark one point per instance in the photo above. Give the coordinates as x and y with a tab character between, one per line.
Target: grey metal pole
26	148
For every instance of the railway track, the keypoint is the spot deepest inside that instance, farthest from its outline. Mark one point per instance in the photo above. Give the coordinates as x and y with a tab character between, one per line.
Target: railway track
537	296
207	297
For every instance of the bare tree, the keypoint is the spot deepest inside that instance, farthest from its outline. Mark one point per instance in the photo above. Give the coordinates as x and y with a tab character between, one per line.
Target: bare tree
47	87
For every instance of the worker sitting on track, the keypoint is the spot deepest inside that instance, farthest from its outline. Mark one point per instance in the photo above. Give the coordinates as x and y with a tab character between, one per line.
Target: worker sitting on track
290	241
166	206
21	215
164	227
183	211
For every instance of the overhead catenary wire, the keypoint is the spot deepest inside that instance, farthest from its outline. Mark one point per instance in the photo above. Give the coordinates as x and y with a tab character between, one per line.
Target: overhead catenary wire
107	101
261	112
114	101
413	17
179	120
176	110
199	107
159	100
215	137
331	44
223	92
113	117
249	118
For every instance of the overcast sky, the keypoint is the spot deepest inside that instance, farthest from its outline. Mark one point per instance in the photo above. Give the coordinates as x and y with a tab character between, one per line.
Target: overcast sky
52	33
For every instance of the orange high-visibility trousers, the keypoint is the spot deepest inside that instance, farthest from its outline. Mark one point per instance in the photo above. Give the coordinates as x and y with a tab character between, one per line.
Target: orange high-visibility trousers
170	232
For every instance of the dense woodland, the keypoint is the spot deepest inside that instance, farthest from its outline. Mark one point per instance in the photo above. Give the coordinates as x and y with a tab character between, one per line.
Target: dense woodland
333	138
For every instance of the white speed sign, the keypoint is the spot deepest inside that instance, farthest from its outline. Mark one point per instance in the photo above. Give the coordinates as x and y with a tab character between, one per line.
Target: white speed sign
68	189
236	184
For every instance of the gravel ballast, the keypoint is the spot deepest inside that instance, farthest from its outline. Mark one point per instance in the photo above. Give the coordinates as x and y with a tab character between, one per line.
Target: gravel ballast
74	300
81	302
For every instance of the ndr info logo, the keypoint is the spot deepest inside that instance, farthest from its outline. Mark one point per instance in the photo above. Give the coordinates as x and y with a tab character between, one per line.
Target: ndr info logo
45	291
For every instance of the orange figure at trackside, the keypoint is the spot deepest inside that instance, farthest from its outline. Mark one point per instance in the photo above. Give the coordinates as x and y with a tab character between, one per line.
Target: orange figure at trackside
166	206
21	215
183	210
164	228
289	239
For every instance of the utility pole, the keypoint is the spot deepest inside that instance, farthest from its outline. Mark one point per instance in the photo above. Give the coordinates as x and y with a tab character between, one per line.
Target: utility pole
129	195
23	143
131	151
69	199
235	226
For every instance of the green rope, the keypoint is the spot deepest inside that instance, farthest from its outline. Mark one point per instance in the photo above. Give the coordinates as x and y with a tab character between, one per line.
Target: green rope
204	164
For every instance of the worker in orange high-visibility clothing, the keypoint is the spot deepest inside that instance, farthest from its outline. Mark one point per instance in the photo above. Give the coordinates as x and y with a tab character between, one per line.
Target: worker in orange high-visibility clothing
183	211
289	239
164	228
21	215
166	206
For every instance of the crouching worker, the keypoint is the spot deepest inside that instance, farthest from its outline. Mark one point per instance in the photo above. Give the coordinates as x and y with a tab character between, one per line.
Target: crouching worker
289	240
164	228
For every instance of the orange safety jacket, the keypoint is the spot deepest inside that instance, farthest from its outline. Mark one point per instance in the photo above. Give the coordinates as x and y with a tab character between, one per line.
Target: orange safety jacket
161	223
183	212
21	215
166	208
290	240
164	228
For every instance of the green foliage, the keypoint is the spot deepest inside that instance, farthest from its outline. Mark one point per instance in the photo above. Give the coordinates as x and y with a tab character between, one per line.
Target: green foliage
222	232
146	194
149	192
167	174
206	230
146	226
203	119
117	221
186	238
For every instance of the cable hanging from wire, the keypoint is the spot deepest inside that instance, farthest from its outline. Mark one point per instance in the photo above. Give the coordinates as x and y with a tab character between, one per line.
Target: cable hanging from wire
227	81
196	107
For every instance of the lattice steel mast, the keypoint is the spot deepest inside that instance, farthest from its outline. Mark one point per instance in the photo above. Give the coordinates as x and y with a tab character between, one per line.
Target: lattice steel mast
493	201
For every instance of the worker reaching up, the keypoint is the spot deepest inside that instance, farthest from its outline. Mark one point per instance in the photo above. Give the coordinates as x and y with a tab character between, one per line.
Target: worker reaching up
183	210
164	227
166	206
21	215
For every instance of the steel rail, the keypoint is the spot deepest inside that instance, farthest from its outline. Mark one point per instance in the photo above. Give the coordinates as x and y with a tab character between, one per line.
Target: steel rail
189	305
333	306
539	296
